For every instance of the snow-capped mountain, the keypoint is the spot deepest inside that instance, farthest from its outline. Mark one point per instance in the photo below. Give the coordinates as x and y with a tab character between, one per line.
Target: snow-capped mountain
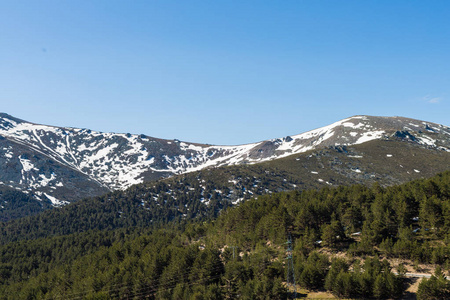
65	164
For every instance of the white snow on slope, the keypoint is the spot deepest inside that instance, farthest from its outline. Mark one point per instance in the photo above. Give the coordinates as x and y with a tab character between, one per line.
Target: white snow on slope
369	136
119	160
44	181
427	141
55	201
27	165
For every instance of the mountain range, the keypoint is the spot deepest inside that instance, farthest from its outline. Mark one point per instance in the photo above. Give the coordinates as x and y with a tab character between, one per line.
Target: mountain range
58	165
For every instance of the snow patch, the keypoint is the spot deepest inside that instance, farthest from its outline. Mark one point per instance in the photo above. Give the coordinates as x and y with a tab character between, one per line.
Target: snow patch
27	165
44	181
55	201
369	136
427	141
354	126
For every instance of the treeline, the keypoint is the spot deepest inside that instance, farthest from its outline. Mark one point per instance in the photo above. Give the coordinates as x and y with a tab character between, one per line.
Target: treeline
242	253
204	194
201	195
15	204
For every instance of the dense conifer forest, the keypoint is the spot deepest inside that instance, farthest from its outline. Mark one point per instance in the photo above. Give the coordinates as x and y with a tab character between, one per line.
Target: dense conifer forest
344	239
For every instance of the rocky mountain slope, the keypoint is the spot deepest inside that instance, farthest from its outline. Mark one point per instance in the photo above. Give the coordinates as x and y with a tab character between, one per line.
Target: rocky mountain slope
60	164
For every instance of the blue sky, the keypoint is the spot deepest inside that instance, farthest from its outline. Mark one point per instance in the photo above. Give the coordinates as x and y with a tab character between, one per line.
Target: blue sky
223	72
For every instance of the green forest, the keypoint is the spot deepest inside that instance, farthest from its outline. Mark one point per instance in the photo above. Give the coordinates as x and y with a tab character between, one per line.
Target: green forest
117	251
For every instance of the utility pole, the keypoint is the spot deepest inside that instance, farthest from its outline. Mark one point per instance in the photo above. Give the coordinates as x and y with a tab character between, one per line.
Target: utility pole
290	276
234	248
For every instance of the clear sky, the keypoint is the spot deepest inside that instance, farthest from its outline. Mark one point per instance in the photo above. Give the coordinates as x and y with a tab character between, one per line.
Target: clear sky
223	72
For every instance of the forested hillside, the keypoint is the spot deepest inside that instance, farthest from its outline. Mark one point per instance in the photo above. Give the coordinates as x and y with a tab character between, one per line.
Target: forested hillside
243	252
203	194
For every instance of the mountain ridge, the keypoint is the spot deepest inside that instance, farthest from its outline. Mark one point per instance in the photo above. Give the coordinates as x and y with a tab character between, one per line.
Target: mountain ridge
63	164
